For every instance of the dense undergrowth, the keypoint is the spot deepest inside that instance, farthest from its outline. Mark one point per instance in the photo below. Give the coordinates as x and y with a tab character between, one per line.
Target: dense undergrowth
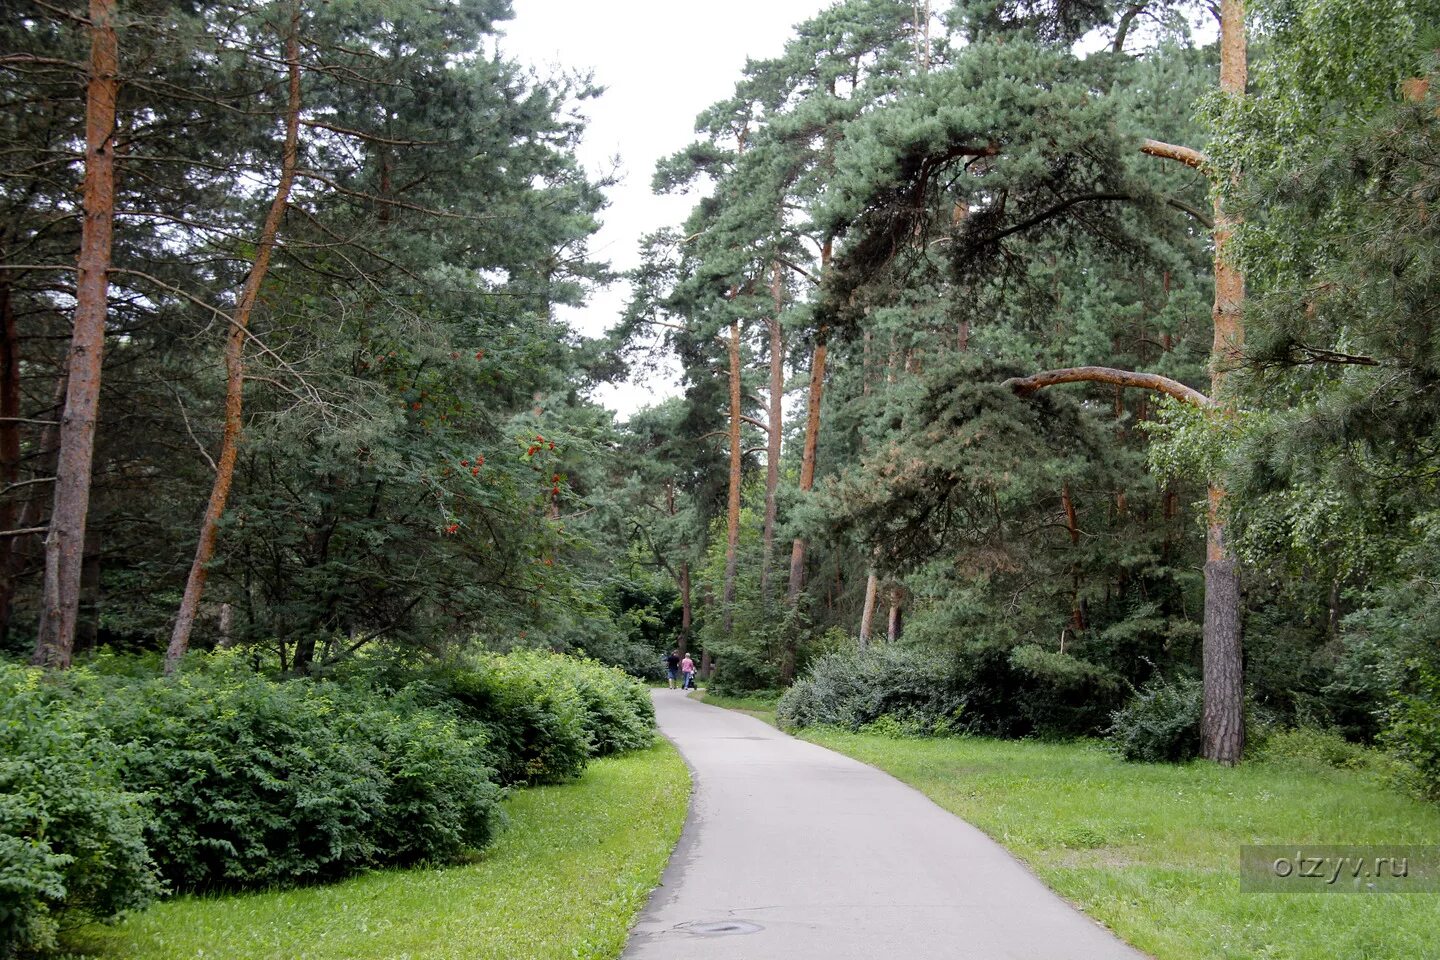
117	784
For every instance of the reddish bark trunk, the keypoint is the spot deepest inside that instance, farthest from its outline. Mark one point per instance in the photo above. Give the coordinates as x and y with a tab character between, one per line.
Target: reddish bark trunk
732	521
685	608
235	361
807	466
65	543
1222	724
777	426
812	436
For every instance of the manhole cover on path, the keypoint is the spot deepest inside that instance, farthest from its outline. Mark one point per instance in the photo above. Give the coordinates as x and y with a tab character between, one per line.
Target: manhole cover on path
720	928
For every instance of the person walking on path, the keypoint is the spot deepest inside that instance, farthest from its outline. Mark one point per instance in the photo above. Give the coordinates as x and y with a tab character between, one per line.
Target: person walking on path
687	667
672	667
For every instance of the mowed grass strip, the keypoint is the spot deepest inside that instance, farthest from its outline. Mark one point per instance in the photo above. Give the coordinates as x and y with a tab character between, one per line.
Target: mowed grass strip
564	880
1152	850
761	708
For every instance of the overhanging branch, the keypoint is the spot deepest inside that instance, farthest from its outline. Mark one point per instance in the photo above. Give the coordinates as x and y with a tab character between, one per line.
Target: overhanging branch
1171	151
1119	378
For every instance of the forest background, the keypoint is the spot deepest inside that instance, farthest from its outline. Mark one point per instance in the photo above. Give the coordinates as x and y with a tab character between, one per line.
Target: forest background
281	370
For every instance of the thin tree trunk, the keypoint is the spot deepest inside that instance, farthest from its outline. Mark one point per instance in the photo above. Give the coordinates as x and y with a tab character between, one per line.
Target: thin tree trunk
807	465
1072	525
777	426
897	614
732	522
9	450
812	436
235	361
867	613
686	611
65	543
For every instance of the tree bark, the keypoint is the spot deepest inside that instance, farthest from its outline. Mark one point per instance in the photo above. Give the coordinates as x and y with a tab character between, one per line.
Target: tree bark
235	361
867	613
1170	151
686	613
732	523
1123	378
65	543
807	465
1222	725
777	426
896	627
9	449
812	436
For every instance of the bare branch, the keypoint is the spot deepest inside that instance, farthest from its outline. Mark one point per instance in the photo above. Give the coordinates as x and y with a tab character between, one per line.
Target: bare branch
1119	378
1170	151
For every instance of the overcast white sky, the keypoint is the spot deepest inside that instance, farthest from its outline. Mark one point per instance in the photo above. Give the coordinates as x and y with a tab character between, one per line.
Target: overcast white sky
661	62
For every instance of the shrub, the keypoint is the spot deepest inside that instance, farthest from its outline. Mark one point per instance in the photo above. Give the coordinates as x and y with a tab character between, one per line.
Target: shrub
1413	733
71	838
618	713
1309	746
910	688
534	720
1160	723
547	714
255	782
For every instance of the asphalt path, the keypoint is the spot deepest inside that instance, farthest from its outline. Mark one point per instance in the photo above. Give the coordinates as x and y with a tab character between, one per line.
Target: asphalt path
794	852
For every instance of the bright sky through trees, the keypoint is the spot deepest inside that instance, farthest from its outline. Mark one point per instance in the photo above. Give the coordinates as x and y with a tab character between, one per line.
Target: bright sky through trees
661	64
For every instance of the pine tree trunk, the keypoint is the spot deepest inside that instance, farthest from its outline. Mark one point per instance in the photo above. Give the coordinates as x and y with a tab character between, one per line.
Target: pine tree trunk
1222	727
686	613
807	465
732	522
9	450
897	614
867	613
65	543
777	426
235	362
1222	724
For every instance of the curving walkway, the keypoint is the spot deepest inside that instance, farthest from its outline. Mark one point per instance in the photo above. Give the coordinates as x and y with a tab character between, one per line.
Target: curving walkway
794	852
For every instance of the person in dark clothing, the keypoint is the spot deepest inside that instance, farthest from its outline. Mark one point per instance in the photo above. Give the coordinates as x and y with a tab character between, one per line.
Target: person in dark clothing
672	667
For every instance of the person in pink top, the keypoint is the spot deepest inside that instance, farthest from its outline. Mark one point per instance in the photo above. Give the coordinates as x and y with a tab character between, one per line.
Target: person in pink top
687	667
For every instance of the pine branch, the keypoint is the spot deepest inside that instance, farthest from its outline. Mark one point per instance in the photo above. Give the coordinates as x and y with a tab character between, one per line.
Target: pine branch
1121	378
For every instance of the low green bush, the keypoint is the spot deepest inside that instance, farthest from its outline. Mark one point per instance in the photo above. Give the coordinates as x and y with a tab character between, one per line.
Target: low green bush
535	721
1312	747
911	689
547	714
618	713
1161	723
257	782
71	837
1413	733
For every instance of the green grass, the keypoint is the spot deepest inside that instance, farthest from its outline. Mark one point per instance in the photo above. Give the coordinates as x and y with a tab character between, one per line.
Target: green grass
565	879
762	708
1151	849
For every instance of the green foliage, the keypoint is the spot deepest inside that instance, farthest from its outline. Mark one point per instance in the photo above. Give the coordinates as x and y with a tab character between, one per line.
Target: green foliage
72	842
536	893
1160	723
1414	732
256	782
546	715
909	689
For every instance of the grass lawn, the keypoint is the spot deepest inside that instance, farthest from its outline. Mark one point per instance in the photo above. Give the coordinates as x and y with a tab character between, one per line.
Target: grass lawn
1151	849
762	708
564	880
